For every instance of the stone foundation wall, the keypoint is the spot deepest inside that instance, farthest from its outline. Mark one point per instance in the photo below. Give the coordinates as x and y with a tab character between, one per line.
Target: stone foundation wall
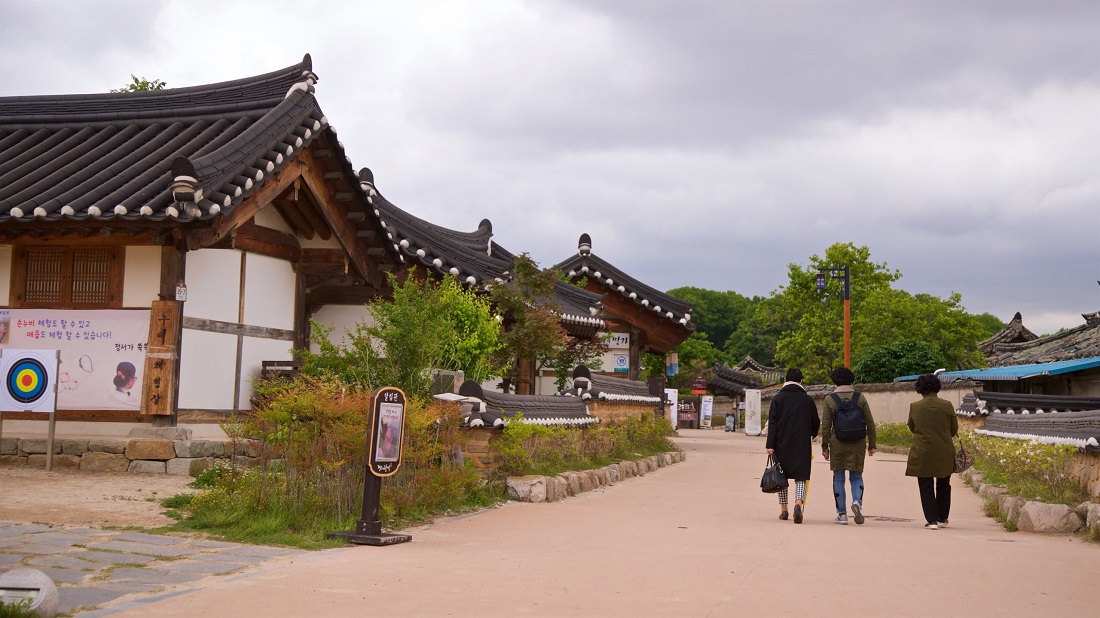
150	450
476	449
610	410
554	488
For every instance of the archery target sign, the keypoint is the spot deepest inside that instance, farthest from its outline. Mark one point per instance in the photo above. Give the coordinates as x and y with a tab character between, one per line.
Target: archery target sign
30	380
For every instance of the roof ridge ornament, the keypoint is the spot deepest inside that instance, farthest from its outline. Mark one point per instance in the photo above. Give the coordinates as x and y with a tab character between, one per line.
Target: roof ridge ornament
185	182
584	246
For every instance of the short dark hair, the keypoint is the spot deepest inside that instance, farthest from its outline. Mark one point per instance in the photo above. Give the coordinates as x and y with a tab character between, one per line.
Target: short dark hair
927	384
794	374
842	376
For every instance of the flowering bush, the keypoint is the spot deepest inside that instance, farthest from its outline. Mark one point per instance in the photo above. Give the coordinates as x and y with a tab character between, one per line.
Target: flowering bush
1027	468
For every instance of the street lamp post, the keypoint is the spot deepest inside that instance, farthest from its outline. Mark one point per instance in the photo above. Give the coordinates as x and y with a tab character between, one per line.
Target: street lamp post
845	274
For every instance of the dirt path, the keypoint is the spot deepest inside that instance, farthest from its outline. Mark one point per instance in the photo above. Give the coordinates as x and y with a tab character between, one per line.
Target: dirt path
86	498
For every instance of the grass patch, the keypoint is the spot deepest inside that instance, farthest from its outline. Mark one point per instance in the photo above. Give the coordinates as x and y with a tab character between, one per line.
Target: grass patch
893	434
1027	469
22	609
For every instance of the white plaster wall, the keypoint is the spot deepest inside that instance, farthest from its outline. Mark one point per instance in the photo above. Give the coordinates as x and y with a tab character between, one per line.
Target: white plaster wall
269	217
342	318
253	352
893	406
141	281
207	369
268	292
5	275
317	243
213	284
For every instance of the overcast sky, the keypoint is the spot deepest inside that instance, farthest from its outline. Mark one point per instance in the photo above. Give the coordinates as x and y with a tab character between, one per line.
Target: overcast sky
707	144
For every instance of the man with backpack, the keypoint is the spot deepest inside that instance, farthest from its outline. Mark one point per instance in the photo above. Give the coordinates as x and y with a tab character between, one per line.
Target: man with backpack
847	431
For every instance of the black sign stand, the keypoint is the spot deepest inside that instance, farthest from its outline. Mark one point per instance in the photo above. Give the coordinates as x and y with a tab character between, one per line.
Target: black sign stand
387	415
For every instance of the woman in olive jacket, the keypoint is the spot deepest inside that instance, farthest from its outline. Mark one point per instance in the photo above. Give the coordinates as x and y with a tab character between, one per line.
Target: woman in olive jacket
932	454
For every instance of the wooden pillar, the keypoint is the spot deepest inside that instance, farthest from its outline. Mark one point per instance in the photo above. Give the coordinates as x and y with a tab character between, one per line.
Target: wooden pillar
165	392
525	377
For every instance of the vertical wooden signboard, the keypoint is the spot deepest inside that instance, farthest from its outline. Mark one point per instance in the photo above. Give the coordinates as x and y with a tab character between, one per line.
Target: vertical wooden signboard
159	384
385	443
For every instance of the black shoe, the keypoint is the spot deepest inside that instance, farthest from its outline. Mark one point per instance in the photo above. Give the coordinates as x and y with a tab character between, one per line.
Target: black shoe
797	514
857	510
783	515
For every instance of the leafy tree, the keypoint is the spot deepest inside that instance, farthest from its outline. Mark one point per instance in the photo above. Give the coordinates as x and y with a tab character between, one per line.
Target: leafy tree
990	323
715	314
695	355
757	334
533	325
140	84
891	315
429	324
900	358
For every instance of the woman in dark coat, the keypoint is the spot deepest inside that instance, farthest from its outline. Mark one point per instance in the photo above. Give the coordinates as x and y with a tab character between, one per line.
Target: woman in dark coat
932	455
792	425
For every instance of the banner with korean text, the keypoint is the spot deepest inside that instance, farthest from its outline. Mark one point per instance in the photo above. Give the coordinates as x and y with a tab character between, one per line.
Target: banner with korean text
102	352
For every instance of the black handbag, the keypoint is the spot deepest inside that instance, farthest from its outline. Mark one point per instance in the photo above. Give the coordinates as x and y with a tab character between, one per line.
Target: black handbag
773	480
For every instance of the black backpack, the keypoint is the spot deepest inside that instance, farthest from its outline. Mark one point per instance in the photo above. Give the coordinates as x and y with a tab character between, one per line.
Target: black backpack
849	425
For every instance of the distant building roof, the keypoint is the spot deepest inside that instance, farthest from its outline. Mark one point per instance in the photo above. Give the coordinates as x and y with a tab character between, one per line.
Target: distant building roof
492	409
1016	372
1013	332
588	385
1080	342
726	379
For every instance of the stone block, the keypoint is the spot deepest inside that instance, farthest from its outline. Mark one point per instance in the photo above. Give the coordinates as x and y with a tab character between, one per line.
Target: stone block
107	445
15	461
1010	506
477	447
36	446
74	447
1092	516
600	477
654	462
661	461
199	448
161	433
572	482
527	488
69	462
628	469
149	448
243	448
9	446
1048	518
991	492
147	466
613	475
556	489
99	461
584	480
668	459
188	466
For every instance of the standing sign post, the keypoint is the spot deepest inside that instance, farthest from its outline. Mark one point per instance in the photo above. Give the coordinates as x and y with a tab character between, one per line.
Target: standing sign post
386	424
706	411
30	385
752	412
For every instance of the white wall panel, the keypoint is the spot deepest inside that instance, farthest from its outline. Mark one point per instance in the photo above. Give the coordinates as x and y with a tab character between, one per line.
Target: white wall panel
213	284
268	292
5	275
253	352
207	369
269	217
342	318
141	281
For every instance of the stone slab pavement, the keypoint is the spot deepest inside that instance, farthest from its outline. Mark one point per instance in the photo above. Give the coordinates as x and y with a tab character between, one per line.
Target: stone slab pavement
692	539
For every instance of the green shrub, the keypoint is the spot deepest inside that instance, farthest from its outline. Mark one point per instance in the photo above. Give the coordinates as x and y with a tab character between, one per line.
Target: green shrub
893	434
22	609
527	448
1027	468
312	439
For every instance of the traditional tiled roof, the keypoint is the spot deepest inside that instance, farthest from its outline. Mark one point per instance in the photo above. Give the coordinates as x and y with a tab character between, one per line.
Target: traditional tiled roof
1013	332
176	155
471	257
1080	342
492	409
723	378
587	264
1080	429
985	403
588	385
768	375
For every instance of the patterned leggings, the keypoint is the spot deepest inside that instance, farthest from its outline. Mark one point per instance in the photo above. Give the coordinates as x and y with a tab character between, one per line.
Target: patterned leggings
799	493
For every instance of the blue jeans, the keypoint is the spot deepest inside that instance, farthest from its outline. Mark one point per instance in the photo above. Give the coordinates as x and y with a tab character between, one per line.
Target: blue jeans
856	480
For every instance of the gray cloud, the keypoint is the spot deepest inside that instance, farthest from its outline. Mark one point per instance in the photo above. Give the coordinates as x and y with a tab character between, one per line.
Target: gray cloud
699	143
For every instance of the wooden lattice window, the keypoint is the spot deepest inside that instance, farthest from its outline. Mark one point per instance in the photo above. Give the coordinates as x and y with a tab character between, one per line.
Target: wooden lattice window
68	277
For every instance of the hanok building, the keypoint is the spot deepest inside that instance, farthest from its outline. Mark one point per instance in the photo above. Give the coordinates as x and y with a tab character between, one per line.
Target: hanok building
640	319
177	238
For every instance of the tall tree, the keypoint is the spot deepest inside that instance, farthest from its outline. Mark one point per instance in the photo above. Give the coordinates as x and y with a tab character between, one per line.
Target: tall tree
715	314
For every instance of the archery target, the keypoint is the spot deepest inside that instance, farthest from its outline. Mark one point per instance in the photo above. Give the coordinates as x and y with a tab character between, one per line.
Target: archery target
30	380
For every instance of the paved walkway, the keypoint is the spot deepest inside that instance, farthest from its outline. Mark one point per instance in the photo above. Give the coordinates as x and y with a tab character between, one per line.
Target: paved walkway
694	539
